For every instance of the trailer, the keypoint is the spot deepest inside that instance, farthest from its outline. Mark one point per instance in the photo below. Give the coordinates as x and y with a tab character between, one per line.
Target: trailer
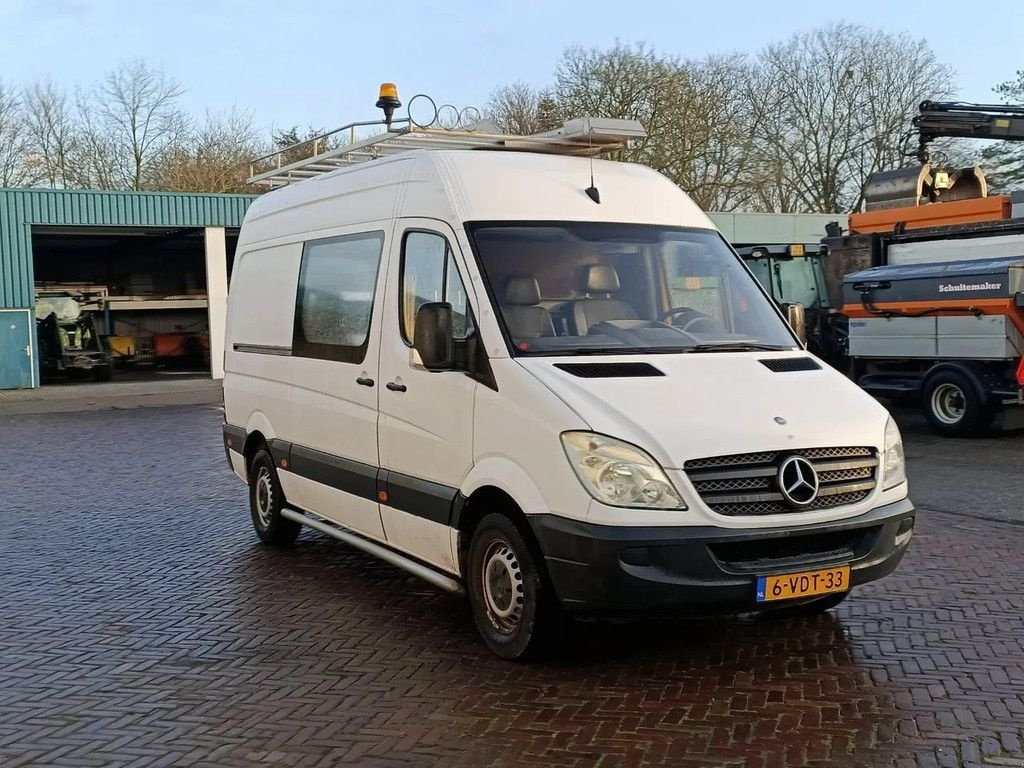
949	334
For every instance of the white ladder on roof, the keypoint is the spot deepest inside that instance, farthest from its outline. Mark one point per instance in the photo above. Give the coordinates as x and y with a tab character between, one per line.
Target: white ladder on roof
587	137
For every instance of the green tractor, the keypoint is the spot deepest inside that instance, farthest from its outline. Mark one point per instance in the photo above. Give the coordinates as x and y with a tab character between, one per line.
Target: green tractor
69	344
796	278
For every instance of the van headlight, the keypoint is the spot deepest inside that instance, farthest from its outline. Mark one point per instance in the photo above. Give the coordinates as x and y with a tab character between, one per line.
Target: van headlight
894	466
619	474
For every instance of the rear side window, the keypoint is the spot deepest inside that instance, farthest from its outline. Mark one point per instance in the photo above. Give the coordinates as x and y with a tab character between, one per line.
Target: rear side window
337	282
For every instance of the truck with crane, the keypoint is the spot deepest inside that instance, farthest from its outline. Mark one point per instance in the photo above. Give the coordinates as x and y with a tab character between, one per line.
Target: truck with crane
924	296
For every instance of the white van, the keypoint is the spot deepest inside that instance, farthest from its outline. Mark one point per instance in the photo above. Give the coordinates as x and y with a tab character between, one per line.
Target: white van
559	402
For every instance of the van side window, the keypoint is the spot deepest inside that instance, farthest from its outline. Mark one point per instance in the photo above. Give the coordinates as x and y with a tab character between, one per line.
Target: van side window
337	282
429	274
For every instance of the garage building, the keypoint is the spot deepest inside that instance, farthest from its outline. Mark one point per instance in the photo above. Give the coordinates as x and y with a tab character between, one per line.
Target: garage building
150	269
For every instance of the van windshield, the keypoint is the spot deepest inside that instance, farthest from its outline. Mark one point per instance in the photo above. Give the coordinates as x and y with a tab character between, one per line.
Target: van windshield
587	288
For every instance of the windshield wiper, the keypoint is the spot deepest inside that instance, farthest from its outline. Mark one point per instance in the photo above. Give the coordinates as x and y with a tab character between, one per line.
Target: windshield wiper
737	346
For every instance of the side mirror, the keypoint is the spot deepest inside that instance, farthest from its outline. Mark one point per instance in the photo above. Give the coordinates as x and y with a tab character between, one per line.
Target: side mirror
433	337
796	315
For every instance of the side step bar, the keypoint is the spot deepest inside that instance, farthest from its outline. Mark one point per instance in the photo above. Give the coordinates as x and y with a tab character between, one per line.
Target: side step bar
387	555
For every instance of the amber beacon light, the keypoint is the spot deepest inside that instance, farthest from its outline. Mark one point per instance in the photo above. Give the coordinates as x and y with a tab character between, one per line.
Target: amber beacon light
388	101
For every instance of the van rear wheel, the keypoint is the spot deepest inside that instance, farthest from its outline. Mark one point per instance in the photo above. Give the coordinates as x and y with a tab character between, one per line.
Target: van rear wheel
513	604
266	500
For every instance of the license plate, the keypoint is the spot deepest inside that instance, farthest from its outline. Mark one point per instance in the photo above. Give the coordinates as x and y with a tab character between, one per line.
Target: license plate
806	584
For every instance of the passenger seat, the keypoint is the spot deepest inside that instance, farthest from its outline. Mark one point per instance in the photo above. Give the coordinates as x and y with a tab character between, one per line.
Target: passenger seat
600	279
525	319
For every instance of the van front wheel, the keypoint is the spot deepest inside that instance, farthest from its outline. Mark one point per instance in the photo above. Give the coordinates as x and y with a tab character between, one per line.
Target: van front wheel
266	499
513	605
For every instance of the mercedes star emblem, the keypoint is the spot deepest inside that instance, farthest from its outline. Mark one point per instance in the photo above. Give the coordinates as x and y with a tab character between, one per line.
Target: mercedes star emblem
798	481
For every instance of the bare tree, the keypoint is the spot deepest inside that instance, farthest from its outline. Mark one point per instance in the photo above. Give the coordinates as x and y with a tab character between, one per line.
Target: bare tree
698	134
54	135
98	159
301	144
624	81
1004	161
214	158
834	105
15	163
703	139
520	109
138	108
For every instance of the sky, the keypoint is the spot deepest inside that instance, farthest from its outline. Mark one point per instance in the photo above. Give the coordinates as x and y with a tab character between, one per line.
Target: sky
317	63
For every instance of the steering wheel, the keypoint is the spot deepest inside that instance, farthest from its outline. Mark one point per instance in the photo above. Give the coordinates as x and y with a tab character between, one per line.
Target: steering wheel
684	318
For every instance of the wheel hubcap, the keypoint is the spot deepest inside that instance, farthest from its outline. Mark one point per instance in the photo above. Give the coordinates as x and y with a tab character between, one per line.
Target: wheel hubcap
264	497
948	403
502	581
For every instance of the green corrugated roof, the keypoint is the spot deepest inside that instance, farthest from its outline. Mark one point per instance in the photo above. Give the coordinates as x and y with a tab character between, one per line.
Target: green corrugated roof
20	209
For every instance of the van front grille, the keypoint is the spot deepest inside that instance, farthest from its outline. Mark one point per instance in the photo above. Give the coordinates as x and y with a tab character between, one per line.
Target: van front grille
747	483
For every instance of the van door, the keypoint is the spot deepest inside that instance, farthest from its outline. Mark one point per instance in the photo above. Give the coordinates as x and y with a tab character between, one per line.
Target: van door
335	349
426	419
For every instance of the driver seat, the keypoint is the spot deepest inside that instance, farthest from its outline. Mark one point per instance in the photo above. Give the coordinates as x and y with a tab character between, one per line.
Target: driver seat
600	279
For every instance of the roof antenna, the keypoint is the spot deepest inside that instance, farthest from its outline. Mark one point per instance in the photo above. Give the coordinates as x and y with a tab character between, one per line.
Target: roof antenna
591	191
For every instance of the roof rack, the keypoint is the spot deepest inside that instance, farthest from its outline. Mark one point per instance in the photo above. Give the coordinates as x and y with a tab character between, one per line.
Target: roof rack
587	137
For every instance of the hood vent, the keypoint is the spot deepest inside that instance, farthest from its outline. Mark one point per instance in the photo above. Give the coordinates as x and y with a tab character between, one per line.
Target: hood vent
787	364
609	370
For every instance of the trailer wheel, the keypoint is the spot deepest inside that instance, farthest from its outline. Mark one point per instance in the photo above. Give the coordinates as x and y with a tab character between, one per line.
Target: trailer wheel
955	406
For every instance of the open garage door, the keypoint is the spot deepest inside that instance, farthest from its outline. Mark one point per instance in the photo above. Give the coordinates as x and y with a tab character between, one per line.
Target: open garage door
126	302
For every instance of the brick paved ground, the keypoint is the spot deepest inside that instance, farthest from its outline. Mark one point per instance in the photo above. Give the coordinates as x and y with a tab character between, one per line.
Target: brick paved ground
141	624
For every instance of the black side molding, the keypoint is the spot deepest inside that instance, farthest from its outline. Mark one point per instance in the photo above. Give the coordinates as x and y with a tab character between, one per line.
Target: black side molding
344	474
280	451
234	440
422	498
431	501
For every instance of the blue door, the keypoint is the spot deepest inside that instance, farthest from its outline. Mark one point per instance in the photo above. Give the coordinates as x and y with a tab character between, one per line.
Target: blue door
16	329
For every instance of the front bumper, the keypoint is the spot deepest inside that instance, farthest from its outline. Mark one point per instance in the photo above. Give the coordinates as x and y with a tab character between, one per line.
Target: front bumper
600	568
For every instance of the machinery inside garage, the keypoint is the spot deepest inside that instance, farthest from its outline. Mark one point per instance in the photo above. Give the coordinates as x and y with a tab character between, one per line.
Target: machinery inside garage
140	295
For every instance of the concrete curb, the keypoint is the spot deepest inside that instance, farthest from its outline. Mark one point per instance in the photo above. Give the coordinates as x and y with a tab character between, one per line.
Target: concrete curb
98	397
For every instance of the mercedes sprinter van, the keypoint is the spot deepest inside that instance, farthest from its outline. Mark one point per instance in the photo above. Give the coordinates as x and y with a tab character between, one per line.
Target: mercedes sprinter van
556	395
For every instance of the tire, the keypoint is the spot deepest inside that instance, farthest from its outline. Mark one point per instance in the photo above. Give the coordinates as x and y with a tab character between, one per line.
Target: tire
513	603
812	608
104	372
266	499
955	407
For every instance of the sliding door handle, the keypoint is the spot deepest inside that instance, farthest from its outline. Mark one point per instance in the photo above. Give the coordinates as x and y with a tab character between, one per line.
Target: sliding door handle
364	381
395	386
